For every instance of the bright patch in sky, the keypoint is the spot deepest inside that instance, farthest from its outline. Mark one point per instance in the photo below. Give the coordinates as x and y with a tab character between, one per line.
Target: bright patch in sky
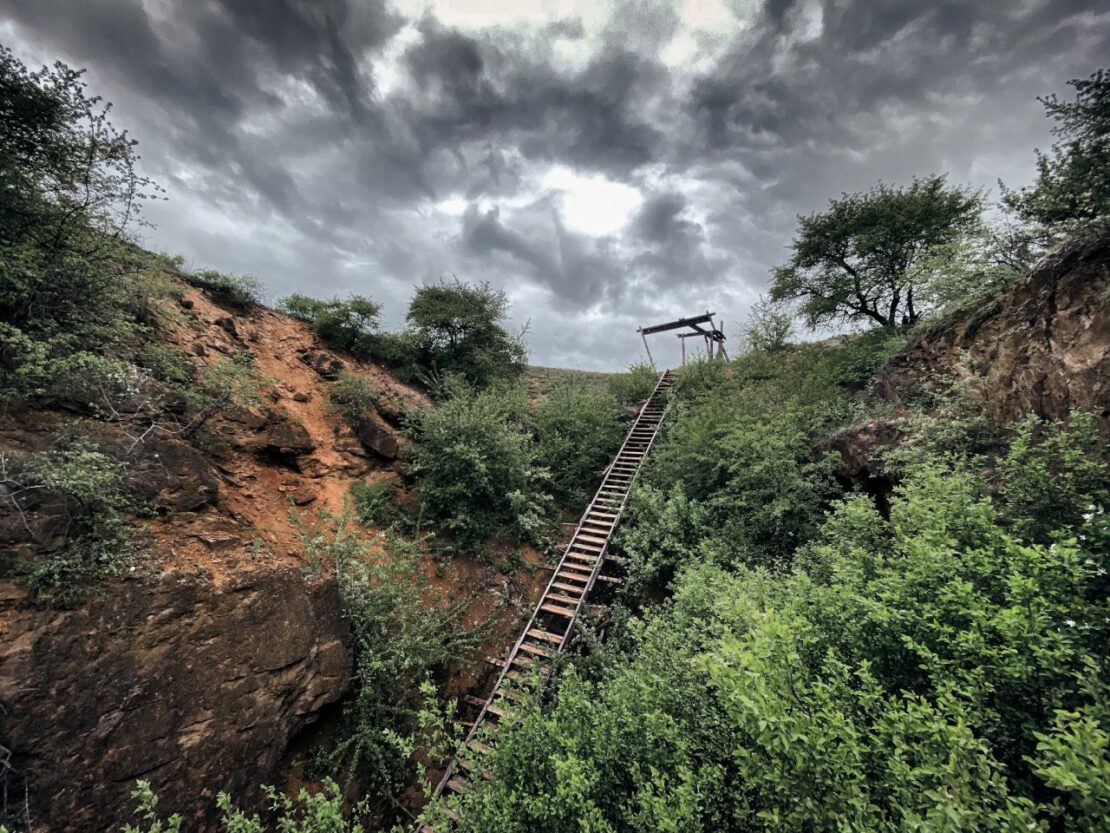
456	206
592	205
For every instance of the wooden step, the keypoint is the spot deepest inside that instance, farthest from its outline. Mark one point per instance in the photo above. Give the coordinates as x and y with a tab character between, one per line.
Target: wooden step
559	598
547	636
569	587
473	768
585	546
535	649
497	711
607	514
590	539
572	576
558	611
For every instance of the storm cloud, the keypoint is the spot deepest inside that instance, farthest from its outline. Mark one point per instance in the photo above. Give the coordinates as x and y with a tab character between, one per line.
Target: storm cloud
621	163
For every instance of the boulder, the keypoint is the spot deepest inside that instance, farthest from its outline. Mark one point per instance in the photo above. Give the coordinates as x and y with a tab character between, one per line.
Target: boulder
325	364
195	687
289	438
378	436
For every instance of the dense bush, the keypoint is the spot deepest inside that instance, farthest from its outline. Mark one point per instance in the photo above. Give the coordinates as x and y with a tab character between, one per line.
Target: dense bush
769	327
70	282
1053	474
915	673
91	538
350	324
373	502
1073	180
475	463
460	330
352	397
634	385
578	434
738	452
310	812
405	635
243	292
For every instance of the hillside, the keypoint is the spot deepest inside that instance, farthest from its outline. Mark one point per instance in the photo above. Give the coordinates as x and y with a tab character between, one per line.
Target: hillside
287	569
223	644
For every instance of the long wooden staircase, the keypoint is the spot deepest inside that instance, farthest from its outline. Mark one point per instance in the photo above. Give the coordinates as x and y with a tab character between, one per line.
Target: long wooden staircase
552	623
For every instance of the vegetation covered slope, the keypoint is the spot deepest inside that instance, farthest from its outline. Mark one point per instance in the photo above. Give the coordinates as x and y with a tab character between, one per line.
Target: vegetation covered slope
797	649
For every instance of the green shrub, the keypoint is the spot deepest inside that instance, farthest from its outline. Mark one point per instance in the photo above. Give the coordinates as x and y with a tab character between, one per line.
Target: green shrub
302	307
352	397
310	812
662	532
1053	474
70	281
405	635
349	324
475	466
242	292
231	383
753	470
374	501
400	352
459	329
634	385
919	673
1073	756
768	328
92	538
578	434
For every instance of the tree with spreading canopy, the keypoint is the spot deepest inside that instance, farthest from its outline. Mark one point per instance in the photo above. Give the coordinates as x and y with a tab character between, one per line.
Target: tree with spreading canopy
460	330
1073	180
855	261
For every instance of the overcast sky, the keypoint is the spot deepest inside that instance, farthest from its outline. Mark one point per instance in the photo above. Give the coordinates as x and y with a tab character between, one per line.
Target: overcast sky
606	163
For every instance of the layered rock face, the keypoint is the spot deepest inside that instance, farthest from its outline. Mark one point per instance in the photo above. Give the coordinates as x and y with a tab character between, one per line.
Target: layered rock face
194	686
1043	347
196	673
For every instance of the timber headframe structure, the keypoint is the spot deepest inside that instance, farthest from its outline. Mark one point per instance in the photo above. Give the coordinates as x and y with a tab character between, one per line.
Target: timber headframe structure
700	326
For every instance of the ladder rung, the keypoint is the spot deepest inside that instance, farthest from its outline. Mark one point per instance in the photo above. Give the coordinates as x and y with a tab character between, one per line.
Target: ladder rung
547	636
558	611
561	599
535	649
574	576
591	539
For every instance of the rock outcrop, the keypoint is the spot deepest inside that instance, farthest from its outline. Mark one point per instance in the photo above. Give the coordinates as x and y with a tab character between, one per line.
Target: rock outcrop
197	672
194	686
1042	347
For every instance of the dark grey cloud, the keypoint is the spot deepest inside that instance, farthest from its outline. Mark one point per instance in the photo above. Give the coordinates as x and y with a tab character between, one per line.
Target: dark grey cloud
334	145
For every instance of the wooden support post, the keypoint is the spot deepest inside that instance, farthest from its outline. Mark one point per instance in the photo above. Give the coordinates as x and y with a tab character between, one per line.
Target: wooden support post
651	361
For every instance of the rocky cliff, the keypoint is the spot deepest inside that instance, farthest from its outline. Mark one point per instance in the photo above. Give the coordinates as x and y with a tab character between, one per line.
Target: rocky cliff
1042	347
196	672
194	684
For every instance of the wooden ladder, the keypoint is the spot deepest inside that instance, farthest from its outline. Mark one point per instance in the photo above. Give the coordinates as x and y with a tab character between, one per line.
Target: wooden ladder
551	624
